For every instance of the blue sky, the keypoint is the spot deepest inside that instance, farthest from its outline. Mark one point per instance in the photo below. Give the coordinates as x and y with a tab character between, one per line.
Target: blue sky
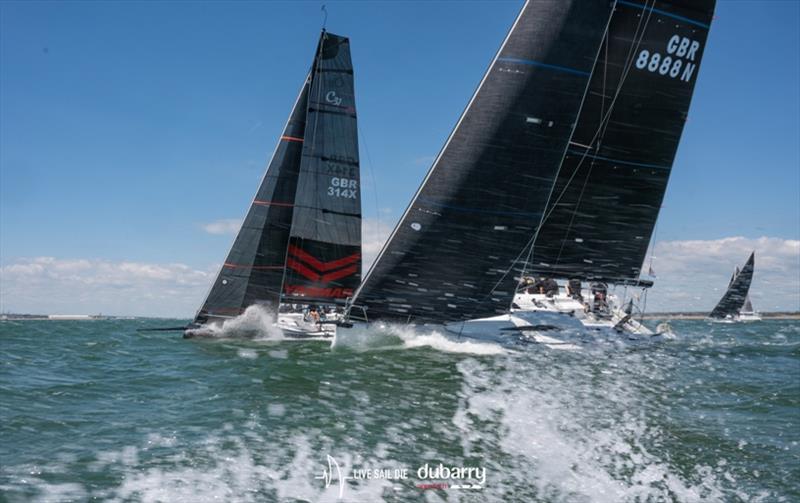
127	128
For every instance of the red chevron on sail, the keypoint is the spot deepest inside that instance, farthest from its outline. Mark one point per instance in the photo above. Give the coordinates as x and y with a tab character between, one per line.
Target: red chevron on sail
317	264
313	269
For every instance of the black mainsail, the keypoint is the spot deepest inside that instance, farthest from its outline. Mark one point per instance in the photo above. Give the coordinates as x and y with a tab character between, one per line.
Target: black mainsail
292	220
324	260
454	253
609	190
736	295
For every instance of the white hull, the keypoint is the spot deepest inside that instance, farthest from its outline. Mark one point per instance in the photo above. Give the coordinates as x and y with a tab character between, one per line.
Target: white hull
290	326
741	318
613	320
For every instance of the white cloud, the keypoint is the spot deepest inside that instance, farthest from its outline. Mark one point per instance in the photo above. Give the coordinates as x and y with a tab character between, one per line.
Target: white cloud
223	226
47	285
693	275
374	232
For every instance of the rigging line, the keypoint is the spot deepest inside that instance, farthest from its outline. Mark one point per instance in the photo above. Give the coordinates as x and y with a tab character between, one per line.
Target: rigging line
608	113
532	241
586	181
653	246
374	184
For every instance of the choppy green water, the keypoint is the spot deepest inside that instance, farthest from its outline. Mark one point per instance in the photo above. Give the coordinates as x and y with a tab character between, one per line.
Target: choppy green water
95	410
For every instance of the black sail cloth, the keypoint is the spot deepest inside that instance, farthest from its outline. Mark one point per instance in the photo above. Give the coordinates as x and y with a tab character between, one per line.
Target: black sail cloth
736	295
453	254
324	259
611	184
290	218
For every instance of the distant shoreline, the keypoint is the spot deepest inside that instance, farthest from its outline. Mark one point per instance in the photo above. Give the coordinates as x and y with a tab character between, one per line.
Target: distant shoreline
781	315
702	316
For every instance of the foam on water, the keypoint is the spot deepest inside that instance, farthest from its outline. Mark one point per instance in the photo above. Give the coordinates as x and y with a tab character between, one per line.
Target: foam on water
396	336
154	418
254	323
578	435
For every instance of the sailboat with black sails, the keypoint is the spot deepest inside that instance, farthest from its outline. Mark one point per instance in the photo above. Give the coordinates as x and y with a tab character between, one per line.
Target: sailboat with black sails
608	194
735	303
557	166
300	242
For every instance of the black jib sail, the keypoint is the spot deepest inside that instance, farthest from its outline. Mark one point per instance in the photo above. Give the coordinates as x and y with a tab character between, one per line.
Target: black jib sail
454	253
611	184
324	259
291	194
736	295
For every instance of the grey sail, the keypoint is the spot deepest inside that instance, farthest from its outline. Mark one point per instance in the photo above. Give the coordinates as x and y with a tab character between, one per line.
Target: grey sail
324	254
748	306
457	251
611	184
735	296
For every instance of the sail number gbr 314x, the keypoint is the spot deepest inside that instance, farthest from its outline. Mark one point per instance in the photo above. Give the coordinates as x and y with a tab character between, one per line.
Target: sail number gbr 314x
678	60
343	187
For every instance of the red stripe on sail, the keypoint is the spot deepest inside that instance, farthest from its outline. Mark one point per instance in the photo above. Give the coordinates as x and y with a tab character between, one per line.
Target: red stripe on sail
291	138
322	266
256	267
317	292
272	203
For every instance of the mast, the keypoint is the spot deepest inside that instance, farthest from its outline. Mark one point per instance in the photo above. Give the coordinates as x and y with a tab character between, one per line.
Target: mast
456	251
609	190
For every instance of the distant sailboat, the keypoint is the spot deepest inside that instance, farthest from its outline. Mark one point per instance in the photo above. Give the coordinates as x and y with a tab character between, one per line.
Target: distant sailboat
735	303
577	86
301	239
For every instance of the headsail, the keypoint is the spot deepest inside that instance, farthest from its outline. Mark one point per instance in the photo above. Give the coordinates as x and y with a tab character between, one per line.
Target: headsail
609	190
324	256
748	306
290	221
453	254
253	270
734	298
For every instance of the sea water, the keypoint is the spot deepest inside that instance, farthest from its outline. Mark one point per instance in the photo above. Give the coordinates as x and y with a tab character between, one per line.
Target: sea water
97	410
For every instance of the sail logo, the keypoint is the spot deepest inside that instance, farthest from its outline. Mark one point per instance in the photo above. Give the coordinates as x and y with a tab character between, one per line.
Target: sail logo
331	98
681	53
343	187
